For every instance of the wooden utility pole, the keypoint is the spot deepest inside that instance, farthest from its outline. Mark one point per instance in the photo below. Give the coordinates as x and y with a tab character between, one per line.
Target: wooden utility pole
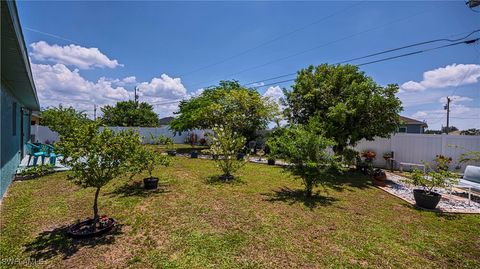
94	111
447	107
136	96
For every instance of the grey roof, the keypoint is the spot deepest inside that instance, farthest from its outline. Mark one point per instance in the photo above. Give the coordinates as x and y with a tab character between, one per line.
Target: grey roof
411	121
16	72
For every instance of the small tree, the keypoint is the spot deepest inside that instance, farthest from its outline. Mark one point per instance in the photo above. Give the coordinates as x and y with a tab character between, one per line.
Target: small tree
432	179
226	144
96	157
63	119
152	159
307	152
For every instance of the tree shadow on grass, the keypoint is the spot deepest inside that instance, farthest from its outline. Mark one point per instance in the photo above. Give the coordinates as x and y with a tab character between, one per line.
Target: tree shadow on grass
136	189
338	181
290	196
216	180
50	244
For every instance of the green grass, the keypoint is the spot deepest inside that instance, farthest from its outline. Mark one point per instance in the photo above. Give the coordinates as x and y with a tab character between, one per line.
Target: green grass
260	220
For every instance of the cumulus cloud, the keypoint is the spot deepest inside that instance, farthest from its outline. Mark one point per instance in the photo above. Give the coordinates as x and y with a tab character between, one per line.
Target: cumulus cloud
57	84
74	55
461	116
129	80
455	98
163	87
448	76
274	93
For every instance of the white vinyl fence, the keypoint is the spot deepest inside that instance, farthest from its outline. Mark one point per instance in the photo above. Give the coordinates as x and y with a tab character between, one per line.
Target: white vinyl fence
43	134
414	148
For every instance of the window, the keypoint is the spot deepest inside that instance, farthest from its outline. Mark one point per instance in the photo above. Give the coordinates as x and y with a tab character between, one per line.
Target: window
402	129
14	118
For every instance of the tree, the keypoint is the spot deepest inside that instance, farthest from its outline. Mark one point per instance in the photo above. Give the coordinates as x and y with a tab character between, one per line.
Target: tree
130	113
63	119
244	109
349	104
306	150
471	131
448	130
226	144
96	157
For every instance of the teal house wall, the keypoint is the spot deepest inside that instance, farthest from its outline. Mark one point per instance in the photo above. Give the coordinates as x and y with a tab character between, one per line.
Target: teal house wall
18	97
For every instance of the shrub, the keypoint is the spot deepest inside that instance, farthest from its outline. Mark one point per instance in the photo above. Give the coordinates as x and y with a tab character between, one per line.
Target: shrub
308	153
442	163
226	144
432	179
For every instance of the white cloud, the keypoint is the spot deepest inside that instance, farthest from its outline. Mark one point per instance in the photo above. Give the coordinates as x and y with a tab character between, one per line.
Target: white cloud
129	80
455	98
81	57
274	93
163	87
57	84
451	75
461	116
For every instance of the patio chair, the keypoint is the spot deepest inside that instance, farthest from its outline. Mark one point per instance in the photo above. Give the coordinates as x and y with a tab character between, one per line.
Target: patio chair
35	152
470	180
50	153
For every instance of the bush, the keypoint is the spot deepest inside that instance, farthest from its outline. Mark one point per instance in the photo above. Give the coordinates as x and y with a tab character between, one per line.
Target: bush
308	153
226	144
432	179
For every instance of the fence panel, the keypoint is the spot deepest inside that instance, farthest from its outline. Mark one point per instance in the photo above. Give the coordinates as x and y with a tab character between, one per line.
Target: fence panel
415	148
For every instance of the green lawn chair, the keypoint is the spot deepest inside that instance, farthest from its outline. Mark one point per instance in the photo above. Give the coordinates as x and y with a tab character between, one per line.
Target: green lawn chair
35	152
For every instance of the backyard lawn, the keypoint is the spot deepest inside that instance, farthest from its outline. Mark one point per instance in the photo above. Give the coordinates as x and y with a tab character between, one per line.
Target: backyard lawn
260	220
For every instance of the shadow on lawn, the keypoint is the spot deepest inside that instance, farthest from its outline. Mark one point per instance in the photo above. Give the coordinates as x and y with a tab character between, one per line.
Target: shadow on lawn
136	189
50	244
216	180
290	196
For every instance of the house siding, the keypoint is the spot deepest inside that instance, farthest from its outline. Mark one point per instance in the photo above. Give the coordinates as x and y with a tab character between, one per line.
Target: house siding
11	137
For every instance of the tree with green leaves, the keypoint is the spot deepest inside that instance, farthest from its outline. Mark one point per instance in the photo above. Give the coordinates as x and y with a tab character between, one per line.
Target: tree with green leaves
63	119
226	144
306	150
244	109
97	156
130	113
350	105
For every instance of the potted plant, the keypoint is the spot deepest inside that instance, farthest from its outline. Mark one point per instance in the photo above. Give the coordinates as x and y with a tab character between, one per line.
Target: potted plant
442	162
425	196
379	177
151	159
171	150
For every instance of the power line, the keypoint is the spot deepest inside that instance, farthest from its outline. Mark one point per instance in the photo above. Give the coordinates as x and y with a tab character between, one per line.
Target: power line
376	54
316	47
273	39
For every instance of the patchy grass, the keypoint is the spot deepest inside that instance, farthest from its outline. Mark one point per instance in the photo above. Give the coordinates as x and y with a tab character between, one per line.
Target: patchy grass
260	220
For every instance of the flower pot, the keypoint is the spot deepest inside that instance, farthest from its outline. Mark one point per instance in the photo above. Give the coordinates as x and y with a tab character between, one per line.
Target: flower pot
428	200
380	183
150	183
172	152
240	156
84	229
226	177
271	161
215	156
194	154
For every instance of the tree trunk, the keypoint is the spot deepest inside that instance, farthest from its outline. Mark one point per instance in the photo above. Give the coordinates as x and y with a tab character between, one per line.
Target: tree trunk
95	205
308	189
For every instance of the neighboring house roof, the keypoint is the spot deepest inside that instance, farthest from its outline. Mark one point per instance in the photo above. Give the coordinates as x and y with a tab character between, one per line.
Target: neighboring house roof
411	121
165	121
16	72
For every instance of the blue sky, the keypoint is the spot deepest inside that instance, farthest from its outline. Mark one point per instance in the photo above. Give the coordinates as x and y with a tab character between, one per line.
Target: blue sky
86	53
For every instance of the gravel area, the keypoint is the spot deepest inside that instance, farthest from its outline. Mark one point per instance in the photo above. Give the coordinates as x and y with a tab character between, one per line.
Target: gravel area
451	202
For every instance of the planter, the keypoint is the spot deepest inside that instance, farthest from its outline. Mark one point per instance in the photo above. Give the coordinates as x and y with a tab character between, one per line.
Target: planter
215	156
172	152
428	200
271	161
194	154
380	183
226	177
240	156
84	229
150	183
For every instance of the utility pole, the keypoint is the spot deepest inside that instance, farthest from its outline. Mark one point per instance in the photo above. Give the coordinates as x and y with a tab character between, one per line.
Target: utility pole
136	96
447	107
95	112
